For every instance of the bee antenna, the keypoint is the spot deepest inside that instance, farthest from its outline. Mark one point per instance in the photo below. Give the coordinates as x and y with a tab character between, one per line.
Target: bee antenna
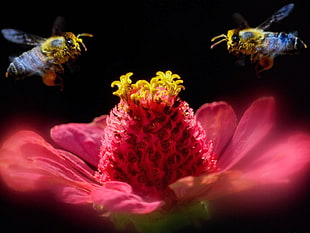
84	46
84	34
220	41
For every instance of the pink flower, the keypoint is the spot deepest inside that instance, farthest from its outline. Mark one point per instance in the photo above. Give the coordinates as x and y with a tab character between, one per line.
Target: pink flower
152	156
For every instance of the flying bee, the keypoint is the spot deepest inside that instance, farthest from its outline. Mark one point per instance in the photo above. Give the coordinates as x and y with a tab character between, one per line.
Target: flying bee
262	46
47	56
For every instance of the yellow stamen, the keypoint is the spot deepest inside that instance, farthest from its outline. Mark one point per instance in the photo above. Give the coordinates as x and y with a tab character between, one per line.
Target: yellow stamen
124	86
161	87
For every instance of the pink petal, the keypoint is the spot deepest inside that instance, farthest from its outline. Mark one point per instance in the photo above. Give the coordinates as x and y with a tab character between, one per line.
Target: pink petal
28	163
191	187
72	195
210	186
281	161
117	196
81	139
219	121
253	127
100	121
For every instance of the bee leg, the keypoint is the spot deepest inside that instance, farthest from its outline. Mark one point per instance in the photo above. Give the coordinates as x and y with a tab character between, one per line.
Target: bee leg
240	61
264	63
50	78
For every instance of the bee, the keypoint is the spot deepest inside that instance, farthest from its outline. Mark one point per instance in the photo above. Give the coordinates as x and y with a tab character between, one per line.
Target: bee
47	56
262	46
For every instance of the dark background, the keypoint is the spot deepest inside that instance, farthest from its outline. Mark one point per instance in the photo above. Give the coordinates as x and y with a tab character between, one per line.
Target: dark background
144	37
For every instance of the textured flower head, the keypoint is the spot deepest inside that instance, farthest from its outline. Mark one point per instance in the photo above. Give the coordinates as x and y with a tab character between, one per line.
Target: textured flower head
152	137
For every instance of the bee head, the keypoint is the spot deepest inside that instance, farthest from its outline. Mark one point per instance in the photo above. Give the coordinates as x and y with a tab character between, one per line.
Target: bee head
73	42
233	38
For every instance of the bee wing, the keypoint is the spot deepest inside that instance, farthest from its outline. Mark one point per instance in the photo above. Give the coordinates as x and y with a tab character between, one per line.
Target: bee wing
20	37
277	16
239	21
59	26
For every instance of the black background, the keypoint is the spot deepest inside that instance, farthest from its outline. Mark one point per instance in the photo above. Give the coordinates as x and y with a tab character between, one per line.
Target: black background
144	37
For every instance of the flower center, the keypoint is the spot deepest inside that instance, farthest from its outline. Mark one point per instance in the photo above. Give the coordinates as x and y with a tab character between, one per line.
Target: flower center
152	138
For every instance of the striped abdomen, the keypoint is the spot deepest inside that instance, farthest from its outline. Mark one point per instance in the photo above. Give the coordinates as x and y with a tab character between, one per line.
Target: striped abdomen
29	63
282	43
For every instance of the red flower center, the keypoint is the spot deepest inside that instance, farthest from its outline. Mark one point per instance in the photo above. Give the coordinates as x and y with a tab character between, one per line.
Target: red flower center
152	138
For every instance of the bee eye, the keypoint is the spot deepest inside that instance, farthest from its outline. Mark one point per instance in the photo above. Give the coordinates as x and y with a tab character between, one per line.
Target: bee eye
69	42
235	38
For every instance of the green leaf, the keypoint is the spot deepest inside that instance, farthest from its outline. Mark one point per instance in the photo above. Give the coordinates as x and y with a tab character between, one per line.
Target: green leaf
164	221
